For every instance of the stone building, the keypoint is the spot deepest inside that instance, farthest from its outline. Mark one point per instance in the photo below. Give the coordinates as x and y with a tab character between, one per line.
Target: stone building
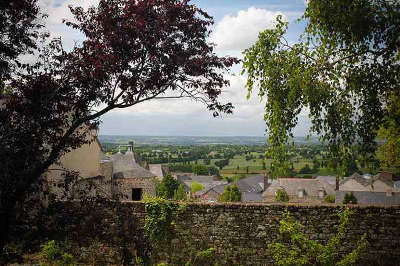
299	189
131	181
381	182
118	176
94	171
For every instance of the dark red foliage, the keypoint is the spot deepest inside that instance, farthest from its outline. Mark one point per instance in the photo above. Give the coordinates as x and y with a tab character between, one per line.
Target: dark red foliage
19	30
135	50
139	50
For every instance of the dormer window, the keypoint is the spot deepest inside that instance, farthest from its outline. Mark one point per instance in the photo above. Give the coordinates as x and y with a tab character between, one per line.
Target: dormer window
300	192
321	193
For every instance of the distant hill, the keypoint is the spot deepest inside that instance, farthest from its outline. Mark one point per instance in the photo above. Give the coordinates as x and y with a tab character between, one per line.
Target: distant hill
195	140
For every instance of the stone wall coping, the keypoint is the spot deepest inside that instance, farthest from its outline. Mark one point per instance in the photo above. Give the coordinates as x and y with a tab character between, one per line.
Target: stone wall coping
273	205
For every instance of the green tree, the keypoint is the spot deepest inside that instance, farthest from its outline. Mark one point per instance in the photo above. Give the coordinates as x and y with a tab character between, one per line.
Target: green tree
343	70
263	165
281	196
196	186
212	170
166	188
200	169
222	163
349	198
389	152
330	198
230	194
180	193
294	247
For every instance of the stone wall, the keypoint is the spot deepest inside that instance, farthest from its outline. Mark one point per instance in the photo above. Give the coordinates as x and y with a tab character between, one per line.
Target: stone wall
241	232
124	186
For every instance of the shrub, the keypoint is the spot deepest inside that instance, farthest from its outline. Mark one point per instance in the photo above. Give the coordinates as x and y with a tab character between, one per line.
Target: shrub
196	186
281	196
67	259
51	251
180	193
167	187
230	194
294	247
53	255
330	198
349	198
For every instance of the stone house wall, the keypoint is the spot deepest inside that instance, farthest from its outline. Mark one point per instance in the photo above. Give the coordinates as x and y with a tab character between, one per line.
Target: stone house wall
123	187
210	195
239	232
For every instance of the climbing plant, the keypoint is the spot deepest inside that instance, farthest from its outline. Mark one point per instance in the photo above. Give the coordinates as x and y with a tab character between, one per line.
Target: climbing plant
163	233
294	247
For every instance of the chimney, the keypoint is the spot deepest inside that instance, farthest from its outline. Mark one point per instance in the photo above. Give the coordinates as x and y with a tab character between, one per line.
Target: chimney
131	146
265	181
337	183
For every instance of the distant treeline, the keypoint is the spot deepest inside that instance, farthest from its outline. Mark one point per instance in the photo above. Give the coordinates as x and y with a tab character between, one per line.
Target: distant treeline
199	169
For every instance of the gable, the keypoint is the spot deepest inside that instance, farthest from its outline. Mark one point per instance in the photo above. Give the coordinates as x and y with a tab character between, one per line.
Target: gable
352	185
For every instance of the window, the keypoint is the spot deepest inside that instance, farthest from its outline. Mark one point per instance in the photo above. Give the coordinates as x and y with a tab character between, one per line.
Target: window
301	192
136	194
321	193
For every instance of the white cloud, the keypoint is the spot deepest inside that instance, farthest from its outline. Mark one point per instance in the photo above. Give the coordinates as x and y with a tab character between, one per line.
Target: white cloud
58	10
236	33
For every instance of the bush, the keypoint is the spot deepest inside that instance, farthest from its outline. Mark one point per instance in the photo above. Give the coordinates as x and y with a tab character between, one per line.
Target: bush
180	193
230	194
330	198
167	187
196	186
53	255
281	196
67	259
349	198
295	247
51	251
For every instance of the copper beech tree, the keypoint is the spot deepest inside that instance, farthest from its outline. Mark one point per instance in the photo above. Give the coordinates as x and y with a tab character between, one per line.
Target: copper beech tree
134	51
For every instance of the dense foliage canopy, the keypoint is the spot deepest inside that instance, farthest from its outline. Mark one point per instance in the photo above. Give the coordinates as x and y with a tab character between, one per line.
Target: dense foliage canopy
344	71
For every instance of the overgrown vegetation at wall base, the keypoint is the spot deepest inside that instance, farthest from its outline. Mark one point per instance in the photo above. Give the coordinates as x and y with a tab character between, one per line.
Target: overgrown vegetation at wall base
281	196
294	247
349	198
329	198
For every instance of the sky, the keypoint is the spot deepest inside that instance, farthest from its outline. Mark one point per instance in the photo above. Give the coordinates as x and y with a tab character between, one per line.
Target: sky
237	24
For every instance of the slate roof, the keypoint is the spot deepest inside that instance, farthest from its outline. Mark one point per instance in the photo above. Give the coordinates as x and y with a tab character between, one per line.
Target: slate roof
358	178
202	179
371	198
125	166
331	180
156	169
207	186
253	184
251	197
292	185
220	188
385	177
